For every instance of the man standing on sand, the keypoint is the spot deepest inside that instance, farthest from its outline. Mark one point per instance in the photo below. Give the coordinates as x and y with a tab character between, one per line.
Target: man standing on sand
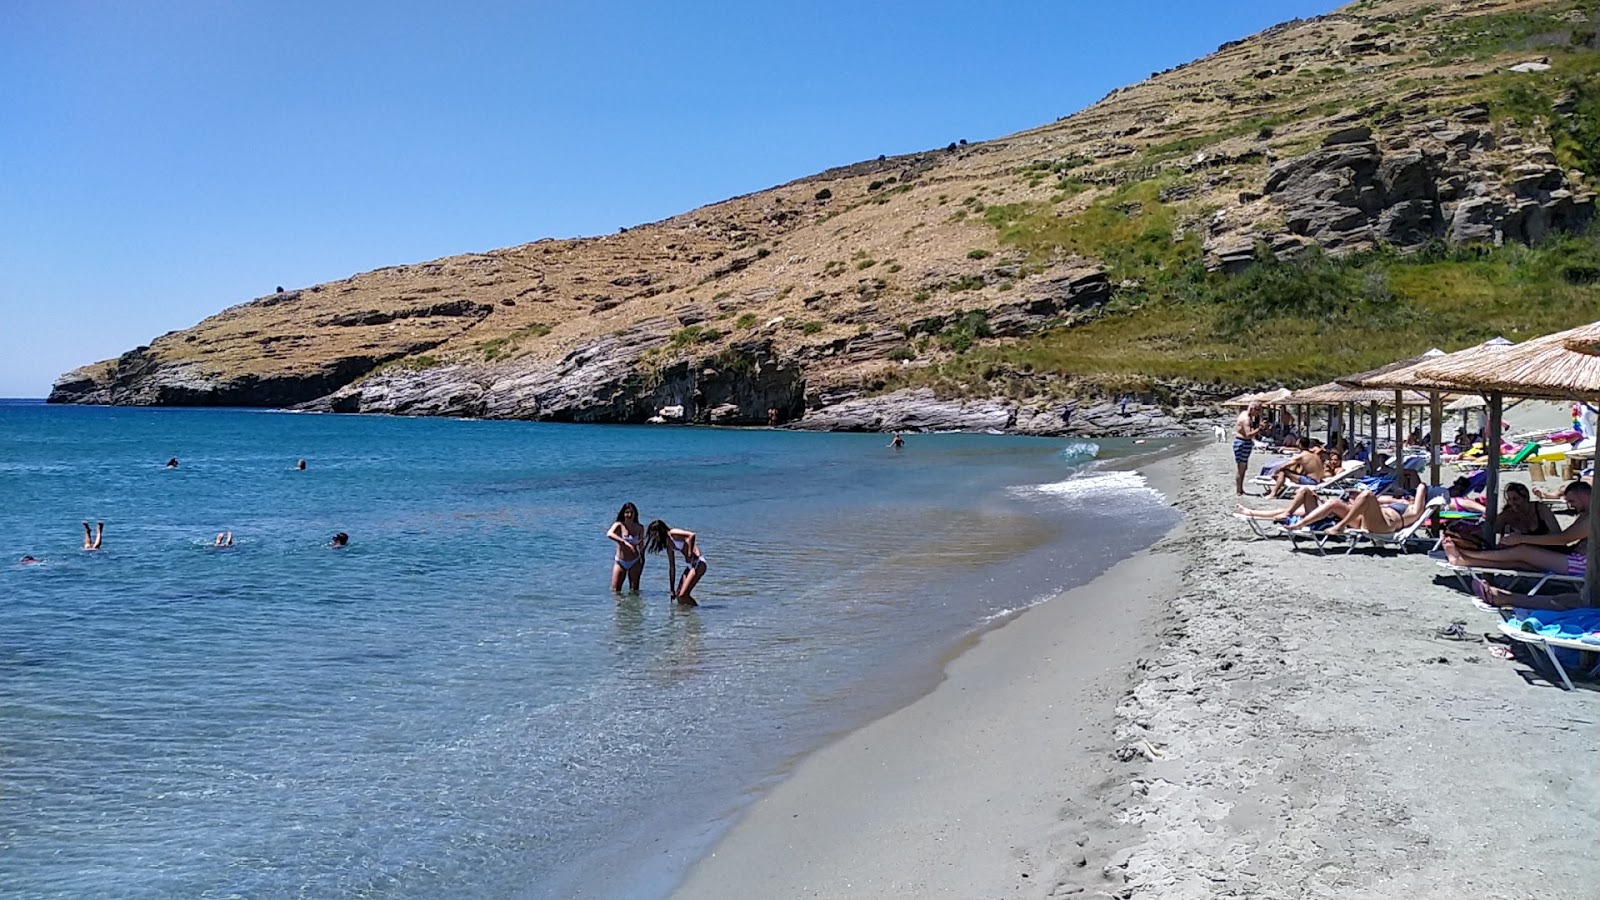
1246	428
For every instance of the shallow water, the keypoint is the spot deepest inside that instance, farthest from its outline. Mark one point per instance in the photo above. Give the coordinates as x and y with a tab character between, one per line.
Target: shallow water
456	704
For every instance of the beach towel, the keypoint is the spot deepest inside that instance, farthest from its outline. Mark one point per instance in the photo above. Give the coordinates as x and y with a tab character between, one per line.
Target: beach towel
1573	625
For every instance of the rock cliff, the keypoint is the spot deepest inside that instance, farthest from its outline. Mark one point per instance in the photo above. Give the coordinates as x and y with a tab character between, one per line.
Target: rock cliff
838	298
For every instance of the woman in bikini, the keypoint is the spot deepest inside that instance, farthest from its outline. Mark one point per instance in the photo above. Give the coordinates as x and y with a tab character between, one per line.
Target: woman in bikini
628	535
659	537
1382	516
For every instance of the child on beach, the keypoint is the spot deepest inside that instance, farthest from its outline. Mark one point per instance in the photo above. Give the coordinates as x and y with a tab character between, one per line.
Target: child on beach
628	535
658	537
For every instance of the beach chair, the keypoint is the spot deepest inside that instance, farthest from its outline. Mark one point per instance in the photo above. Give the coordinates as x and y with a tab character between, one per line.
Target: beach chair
1395	540
1518	460
1464	576
1333	484
1345	479
1589	654
1352	538
1263	528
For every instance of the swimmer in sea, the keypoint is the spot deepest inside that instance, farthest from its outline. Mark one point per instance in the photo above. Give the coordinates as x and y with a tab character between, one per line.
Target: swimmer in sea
27	560
628	535
340	540
300	466
224	539
172	463
658	536
898	441
91	541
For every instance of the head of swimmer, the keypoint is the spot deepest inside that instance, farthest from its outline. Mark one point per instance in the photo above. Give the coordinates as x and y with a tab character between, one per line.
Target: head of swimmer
628	513
657	536
340	540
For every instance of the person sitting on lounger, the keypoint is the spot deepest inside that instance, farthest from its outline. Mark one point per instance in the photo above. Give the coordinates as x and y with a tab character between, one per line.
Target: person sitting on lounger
1520	515
1564	551
1309	466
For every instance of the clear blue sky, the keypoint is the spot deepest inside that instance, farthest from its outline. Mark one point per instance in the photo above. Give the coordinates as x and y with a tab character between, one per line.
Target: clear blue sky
160	161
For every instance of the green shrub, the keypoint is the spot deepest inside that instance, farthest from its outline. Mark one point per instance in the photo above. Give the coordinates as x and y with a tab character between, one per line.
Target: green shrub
745	320
693	334
824	194
811	328
978	254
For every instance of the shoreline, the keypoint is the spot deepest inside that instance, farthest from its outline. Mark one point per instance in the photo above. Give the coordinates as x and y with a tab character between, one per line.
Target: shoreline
942	797
1214	716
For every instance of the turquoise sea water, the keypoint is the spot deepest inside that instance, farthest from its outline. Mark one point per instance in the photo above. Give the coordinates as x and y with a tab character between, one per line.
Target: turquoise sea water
456	705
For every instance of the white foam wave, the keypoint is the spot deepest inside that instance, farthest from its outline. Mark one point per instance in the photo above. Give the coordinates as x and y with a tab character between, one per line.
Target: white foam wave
1094	485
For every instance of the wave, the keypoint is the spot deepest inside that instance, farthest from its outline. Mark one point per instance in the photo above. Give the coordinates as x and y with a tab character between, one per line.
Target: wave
1094	484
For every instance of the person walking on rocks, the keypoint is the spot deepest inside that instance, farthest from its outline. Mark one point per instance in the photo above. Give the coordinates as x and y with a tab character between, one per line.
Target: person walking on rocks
1246	428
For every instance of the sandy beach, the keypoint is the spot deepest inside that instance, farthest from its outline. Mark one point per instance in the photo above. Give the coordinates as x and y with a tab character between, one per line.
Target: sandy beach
1217	716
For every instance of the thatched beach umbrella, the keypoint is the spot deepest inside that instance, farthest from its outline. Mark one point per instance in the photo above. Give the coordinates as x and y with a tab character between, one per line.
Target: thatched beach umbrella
1371	381
1409	375
1560	366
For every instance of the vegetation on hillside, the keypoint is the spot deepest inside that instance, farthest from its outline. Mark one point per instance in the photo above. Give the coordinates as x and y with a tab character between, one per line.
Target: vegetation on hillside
1303	320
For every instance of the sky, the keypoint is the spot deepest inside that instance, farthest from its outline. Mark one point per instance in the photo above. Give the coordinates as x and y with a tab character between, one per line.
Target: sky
160	161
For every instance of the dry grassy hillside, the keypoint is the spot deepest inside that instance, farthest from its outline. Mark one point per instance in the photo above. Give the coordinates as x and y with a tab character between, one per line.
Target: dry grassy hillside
868	276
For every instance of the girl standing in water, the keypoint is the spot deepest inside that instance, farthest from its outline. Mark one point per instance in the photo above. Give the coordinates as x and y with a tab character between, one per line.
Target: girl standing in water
658	537
628	535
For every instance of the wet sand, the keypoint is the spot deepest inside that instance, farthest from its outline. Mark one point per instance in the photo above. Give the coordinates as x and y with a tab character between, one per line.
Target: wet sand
1218	716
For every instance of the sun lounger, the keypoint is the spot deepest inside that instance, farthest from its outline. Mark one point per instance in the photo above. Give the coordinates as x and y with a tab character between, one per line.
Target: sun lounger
1332	484
1589	653
1518	460
1464	575
1346	478
1264	528
1396	540
1353	537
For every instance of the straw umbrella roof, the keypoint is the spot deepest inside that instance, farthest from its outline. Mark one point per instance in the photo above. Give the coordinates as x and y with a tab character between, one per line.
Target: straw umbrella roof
1334	392
1265	398
1405	375
1465	402
1560	366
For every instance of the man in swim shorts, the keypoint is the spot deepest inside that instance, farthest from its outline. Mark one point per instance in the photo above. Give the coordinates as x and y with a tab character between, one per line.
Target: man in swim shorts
1246	428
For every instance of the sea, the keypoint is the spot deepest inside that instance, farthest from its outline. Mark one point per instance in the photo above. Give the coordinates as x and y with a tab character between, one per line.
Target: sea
456	705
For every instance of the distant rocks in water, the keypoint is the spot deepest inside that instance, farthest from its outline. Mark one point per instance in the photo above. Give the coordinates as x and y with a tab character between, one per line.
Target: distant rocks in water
920	409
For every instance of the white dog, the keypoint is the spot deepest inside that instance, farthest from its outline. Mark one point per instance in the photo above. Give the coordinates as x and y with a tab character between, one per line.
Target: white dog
1220	432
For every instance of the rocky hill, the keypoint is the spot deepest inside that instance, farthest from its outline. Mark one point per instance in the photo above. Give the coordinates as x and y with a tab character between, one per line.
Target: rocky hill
1185	236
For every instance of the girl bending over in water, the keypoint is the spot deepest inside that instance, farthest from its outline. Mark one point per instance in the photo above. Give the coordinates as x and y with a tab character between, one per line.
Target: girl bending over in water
628	535
659	537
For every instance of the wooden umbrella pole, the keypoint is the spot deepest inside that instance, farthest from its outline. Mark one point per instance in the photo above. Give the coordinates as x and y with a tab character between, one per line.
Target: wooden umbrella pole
1591	572
1435	410
1399	438
1372	410
1492	487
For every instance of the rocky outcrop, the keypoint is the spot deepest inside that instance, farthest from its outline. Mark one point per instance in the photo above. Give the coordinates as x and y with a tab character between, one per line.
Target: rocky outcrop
617	379
135	379
1432	182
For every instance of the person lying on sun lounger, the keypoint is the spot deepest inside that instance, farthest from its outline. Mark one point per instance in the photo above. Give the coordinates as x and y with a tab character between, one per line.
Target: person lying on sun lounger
1563	551
1375	515
1306	501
